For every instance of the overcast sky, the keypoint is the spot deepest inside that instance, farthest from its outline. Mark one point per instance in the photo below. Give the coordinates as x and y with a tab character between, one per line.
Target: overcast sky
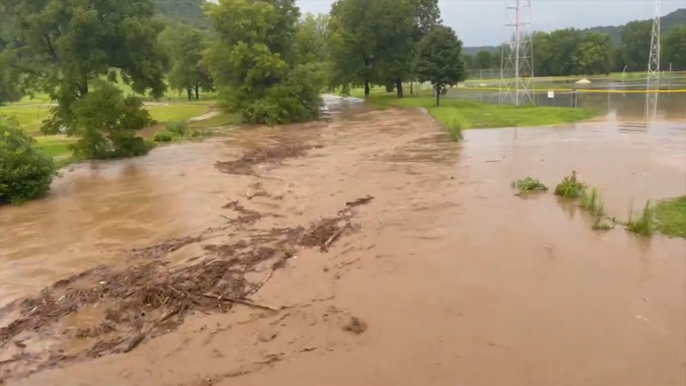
482	22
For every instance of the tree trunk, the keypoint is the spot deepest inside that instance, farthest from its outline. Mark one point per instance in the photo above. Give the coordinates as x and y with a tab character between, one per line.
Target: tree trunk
366	88
411	88
399	87
190	94
197	92
438	96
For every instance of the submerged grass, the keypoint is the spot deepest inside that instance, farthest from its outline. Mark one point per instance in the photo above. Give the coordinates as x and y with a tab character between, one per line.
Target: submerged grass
455	131
528	184
570	187
642	223
477	115
592	202
603	224
670	216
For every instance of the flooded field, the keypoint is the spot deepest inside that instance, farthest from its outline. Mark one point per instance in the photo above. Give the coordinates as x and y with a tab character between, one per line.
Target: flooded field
377	251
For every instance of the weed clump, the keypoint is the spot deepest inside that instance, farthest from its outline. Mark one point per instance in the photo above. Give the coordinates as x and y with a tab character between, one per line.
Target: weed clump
644	224
592	202
528	184
455	131
570	187
603	224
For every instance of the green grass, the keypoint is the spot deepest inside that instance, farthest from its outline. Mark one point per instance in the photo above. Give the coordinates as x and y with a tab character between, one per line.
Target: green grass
30	117
528	184
176	111
223	119
592	202
670	216
55	145
642	223
455	131
476	115
570	187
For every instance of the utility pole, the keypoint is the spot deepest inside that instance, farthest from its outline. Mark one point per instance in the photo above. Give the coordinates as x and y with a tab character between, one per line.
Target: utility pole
516	67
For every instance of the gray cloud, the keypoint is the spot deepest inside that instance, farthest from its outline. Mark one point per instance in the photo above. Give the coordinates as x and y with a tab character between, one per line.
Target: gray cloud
482	22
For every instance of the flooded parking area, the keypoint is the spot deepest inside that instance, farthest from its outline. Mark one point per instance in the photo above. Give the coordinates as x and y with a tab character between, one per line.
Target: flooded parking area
394	257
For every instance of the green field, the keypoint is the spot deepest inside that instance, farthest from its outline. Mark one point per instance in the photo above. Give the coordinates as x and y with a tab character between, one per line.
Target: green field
476	115
670	216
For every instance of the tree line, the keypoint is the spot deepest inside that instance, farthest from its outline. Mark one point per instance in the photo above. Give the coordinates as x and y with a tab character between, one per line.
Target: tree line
577	52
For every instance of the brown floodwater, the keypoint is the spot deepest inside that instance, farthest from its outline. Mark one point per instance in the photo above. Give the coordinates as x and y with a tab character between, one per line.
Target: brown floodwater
458	280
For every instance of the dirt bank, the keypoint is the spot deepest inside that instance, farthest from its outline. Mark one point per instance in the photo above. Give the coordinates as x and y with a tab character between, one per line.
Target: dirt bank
366	250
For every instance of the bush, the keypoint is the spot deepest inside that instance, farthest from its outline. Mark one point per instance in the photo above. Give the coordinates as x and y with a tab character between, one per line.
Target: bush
177	128
570	187
163	136
644	224
528	184
592	202
455	131
107	124
25	173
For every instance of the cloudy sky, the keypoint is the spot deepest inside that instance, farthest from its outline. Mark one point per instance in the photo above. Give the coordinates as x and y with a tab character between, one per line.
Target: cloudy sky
482	22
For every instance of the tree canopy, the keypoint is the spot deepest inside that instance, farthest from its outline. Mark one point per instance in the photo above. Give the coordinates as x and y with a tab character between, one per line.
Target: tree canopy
184	46
439	60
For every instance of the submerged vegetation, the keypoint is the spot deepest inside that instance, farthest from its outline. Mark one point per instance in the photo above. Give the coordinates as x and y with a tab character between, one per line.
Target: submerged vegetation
592	202
570	187
670	216
642	223
528	184
455	131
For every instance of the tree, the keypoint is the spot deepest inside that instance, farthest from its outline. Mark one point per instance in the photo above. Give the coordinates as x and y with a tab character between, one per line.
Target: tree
68	44
107	122
674	48
468	61
9	77
253	60
563	45
25	172
439	60
185	46
593	55
636	37
483	60
311	39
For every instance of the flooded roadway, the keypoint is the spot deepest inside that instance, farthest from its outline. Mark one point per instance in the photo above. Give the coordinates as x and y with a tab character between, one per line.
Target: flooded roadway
458	280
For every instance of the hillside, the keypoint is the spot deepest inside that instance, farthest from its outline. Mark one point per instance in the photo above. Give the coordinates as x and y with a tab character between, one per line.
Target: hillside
666	23
184	11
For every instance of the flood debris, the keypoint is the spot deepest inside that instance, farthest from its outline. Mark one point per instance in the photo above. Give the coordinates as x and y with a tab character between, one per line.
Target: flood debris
359	201
247	216
274	154
355	325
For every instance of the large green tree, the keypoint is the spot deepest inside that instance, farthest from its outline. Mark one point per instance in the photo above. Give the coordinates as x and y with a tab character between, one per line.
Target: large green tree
483	60
593	55
439	60
636	37
67	44
254	62
674	49
184	46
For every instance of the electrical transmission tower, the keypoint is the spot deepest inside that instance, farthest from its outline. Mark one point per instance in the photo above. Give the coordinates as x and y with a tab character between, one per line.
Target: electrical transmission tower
516	68
654	60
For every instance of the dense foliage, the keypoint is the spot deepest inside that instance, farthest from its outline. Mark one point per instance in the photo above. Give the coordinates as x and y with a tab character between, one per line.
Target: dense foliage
439	60
183	11
254	61
185	45
25	173
106	123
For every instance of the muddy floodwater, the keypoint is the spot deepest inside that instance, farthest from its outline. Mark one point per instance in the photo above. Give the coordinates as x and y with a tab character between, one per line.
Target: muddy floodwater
400	258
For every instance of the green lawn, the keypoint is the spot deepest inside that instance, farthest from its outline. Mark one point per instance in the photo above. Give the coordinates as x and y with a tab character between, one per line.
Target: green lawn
223	119
177	111
29	116
55	145
476	115
670	216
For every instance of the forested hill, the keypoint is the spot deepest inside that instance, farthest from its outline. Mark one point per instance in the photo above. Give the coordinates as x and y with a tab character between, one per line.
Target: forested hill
666	23
185	11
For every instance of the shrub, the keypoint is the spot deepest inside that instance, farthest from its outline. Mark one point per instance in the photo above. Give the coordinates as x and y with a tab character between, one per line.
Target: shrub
177	128
25	172
570	187
644	224
163	136
107	123
528	184
455	131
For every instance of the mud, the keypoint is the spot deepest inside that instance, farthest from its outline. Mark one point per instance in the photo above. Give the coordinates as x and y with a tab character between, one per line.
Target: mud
444	274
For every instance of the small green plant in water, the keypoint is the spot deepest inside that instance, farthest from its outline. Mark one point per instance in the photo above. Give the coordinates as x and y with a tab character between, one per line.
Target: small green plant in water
455	131
528	184
570	187
644	223
592	202
163	136
603	224
177	128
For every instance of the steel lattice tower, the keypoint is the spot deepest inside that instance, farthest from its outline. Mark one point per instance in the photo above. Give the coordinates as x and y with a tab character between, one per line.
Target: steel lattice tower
516	69
654	60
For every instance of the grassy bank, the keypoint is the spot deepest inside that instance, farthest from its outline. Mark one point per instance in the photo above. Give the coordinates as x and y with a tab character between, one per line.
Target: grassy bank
476	115
670	217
